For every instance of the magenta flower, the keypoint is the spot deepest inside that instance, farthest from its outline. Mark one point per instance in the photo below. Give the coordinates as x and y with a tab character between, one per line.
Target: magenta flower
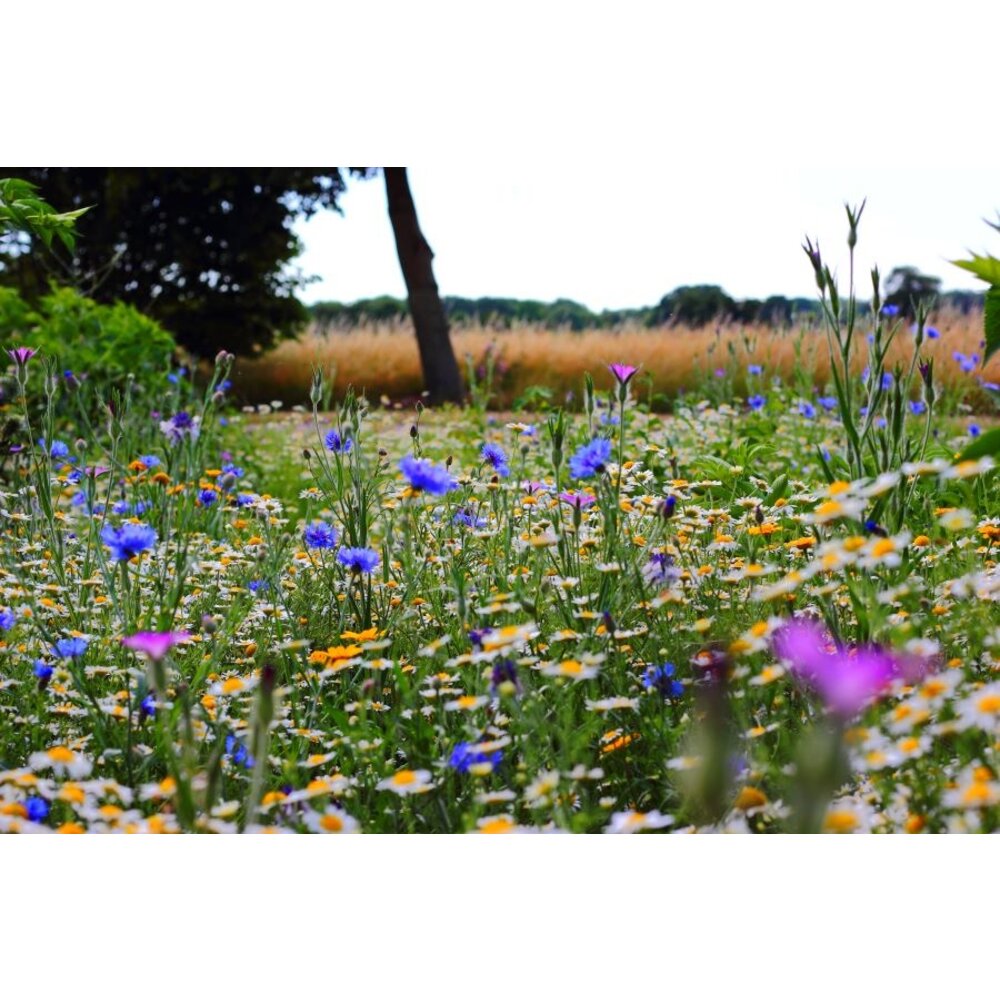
623	373
845	678
577	500
21	355
154	644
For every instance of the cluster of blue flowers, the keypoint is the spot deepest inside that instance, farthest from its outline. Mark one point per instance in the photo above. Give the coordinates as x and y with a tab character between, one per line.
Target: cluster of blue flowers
463	756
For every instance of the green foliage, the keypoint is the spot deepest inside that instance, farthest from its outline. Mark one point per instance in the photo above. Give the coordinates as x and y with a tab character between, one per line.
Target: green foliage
22	211
985	444
103	343
695	305
205	252
987	268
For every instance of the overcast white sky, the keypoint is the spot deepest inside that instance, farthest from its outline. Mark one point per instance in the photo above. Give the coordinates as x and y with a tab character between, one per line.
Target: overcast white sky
625	236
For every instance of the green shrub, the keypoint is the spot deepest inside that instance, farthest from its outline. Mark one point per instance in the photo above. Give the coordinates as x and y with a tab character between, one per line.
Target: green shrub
103	343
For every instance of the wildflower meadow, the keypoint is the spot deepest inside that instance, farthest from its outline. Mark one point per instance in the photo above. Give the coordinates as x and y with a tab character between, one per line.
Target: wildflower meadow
772	610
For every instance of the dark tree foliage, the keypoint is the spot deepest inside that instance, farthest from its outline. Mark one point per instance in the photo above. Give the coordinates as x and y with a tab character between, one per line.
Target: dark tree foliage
906	288
695	305
205	251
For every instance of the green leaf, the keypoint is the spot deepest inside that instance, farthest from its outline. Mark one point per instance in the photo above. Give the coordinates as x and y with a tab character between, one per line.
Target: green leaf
991	322
985	444
984	268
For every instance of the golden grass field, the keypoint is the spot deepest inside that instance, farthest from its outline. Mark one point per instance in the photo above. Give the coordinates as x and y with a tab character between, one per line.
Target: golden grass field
382	360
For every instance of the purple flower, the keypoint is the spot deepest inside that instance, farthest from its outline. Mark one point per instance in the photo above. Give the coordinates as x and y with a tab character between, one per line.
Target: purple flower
755	369
590	459
846	679
974	430
207	497
21	355
827	402
153	644
623	373
890	310
757	402
128	540
577	500
320	535
426	476
359	560
917	406
179	426
807	410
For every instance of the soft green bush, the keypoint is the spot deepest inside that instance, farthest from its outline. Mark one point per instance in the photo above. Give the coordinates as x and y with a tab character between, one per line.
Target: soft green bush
103	343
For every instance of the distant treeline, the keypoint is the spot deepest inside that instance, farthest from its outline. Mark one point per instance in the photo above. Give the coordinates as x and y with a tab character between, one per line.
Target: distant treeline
692	305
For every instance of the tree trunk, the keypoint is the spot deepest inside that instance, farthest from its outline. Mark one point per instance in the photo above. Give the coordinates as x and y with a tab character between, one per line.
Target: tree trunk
437	357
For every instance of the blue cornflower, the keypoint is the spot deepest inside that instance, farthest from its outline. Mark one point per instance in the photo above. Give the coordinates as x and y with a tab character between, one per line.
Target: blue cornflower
890	310
78	499
974	430
7	619
231	469
42	670
662	679
147	707
493	454
756	402
932	333
755	369
917	406
149	460
120	507
207	497
37	808
426	476
966	362
245	499
59	449
337	444
464	755
320	535
886	380
466	517
827	402
359	560
256	586
128	540
71	649
238	752
590	459
807	410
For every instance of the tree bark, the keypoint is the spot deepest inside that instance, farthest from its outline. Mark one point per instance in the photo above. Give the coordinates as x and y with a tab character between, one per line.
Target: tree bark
437	357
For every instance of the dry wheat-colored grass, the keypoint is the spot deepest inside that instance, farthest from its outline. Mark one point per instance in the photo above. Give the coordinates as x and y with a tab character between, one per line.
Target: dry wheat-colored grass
382	360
